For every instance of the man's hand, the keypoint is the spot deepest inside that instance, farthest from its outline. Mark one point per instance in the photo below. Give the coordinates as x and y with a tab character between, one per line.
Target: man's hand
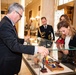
43	51
26	37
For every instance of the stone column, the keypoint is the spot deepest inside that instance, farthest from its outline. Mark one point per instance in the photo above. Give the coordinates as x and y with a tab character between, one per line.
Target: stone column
47	10
74	16
0	9
22	22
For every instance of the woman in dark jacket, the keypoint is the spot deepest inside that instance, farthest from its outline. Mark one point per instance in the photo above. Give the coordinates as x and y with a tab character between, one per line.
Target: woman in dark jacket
70	38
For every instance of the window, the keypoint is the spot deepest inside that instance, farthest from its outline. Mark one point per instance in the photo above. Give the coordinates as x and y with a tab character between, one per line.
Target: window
60	2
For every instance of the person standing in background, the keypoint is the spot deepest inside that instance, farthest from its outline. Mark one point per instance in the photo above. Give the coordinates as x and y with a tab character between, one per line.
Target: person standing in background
11	47
65	17
46	31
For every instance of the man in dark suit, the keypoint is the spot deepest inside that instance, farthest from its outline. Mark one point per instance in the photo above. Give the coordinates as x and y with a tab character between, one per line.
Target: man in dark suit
45	30
11	47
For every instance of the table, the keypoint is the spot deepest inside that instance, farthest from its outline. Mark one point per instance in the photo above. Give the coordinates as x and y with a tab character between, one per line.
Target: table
36	71
68	69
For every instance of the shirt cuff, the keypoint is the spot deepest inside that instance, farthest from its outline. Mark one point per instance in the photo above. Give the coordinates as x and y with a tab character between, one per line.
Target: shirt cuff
36	49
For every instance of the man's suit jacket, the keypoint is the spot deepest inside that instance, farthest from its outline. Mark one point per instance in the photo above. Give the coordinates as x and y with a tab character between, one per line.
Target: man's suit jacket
11	48
46	32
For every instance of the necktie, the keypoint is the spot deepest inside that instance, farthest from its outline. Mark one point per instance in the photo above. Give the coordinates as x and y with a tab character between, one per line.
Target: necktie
15	28
45	27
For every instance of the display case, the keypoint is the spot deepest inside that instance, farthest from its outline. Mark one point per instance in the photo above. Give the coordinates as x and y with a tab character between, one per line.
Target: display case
50	65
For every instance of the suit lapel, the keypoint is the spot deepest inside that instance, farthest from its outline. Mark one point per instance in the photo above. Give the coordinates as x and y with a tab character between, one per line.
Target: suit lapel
10	23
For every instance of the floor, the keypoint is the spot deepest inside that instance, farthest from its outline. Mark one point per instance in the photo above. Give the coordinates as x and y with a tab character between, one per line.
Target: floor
24	70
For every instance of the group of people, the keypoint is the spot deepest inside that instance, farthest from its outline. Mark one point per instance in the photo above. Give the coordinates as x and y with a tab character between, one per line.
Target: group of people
11	47
68	34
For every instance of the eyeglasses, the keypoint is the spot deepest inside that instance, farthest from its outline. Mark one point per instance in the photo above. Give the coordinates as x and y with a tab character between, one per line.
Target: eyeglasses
18	13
